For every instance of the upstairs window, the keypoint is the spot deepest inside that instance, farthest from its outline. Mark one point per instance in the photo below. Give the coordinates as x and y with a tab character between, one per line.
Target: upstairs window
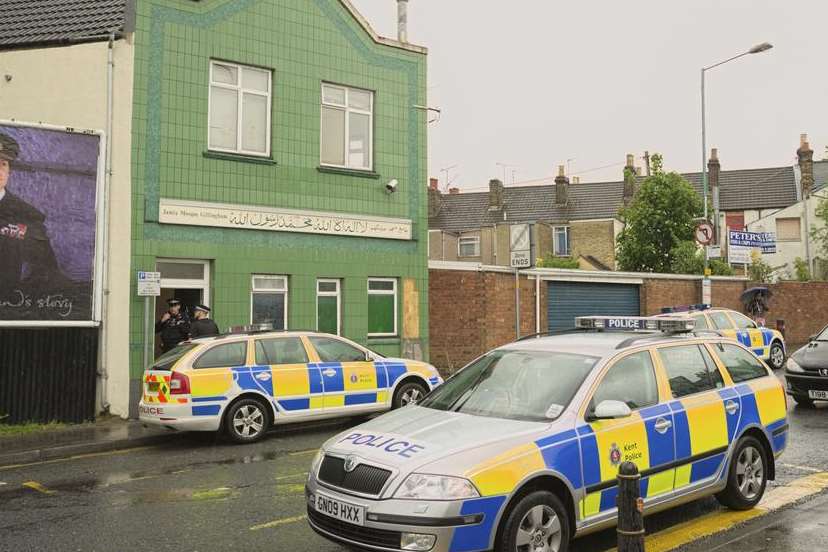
561	237
468	246
347	127
788	229
239	116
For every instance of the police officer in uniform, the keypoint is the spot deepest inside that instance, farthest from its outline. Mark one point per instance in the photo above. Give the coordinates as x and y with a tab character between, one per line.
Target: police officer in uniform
202	326
26	255
174	327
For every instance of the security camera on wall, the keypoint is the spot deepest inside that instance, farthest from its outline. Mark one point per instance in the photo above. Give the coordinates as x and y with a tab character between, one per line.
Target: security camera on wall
391	187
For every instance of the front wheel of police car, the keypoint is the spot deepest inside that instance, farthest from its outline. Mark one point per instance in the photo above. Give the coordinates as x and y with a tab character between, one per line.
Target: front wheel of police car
776	358
537	522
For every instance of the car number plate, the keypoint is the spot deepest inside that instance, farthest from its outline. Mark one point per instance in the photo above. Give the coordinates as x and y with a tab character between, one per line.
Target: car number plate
342	511
818	395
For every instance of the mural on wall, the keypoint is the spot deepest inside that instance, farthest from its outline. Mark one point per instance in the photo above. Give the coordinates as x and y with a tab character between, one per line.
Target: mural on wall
48	190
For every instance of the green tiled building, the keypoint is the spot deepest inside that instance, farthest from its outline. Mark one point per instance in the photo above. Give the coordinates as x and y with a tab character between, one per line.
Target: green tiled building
266	135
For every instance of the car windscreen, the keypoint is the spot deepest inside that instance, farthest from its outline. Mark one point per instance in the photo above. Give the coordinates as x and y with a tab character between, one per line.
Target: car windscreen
823	335
166	361
517	385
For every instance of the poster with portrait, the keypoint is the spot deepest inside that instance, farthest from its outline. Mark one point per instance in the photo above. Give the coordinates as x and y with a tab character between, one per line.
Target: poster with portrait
48	224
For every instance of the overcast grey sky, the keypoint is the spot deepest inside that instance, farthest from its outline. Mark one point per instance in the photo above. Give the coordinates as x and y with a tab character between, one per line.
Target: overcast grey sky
536	82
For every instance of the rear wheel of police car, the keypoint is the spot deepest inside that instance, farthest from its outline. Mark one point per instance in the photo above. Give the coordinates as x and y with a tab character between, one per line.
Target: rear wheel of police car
409	392
747	476
246	421
776	358
537	523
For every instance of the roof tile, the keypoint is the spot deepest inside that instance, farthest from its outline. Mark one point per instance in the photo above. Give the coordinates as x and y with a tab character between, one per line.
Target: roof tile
28	22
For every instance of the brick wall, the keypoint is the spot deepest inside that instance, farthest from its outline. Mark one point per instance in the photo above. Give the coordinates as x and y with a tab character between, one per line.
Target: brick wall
471	312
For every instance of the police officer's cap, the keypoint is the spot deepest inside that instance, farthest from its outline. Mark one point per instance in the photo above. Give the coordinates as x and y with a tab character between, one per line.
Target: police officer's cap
202	308
8	147
173	302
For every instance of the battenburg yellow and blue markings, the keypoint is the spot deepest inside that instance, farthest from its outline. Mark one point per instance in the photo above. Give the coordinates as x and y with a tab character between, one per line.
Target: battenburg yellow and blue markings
693	449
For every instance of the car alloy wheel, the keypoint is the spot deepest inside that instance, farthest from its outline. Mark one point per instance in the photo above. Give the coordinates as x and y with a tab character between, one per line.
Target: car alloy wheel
249	421
777	356
750	473
539	530
411	396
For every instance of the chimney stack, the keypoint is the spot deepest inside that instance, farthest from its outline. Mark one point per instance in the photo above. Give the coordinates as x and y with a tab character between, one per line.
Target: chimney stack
435	198
454	191
495	195
402	20
561	186
805	155
714	169
629	178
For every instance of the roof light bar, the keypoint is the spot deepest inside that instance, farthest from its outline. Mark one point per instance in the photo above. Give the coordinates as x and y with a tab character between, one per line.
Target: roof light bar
250	328
671	324
686	308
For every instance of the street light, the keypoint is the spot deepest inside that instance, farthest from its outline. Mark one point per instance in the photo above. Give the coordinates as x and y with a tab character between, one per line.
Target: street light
763	47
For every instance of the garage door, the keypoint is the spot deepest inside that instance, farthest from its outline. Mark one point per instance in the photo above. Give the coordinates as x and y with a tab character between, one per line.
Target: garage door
566	300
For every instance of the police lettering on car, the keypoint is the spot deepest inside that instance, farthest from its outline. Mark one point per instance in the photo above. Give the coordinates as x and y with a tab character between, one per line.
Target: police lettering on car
521	448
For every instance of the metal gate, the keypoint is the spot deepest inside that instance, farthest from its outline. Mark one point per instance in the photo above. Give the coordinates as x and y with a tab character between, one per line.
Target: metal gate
48	374
566	300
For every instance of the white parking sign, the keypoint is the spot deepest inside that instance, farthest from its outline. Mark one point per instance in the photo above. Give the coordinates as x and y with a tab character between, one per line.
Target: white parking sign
149	284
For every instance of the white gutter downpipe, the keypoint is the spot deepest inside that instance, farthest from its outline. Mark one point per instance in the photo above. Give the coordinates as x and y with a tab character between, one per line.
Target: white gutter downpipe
537	304
103	372
402	20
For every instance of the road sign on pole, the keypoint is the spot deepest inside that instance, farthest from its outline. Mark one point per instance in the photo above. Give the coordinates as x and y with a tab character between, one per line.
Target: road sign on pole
704	233
149	284
520	246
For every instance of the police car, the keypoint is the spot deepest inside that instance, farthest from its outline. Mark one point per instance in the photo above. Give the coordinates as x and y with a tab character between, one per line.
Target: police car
520	450
247	381
766	343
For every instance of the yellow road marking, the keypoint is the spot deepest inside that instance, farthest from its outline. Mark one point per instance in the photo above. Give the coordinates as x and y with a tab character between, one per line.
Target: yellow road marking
801	468
34	485
716	522
303	452
277	522
76	457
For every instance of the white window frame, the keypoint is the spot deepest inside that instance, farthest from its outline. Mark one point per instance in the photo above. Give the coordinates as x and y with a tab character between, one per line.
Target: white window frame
241	91
396	303
568	252
254	291
348	110
468	239
337	294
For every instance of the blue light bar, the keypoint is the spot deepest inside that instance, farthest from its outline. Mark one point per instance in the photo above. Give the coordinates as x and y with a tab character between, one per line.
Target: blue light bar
685	308
669	324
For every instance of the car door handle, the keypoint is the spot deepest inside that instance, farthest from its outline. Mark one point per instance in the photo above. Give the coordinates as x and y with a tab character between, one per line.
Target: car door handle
731	407
663	425
330	372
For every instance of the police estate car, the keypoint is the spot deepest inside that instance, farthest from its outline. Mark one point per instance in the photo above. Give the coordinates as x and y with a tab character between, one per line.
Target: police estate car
247	381
766	343
520	450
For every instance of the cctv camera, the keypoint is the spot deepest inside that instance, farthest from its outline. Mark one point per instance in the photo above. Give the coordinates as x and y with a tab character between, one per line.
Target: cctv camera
391	187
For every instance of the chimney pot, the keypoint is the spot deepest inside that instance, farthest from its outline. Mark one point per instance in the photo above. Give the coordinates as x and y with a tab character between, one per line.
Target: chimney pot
495	194
630	160
714	154
454	191
561	170
402	20
433	183
576	179
803	141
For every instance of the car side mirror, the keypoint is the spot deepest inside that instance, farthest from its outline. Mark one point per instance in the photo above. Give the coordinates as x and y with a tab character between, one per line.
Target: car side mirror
611	410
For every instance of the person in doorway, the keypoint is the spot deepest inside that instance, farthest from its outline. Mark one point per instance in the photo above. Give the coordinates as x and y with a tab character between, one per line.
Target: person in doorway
174	327
202	326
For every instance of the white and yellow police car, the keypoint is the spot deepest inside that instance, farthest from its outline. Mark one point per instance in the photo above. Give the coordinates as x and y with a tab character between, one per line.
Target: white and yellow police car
520	450
245	382
766	343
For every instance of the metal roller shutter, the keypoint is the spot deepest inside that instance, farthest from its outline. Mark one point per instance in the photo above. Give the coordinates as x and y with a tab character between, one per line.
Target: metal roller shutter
566	300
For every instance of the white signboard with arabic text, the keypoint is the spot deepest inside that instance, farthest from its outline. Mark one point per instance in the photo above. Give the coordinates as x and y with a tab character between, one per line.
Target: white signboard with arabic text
198	213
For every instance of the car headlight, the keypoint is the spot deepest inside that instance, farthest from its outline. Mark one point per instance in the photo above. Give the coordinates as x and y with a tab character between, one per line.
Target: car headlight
793	366
418	486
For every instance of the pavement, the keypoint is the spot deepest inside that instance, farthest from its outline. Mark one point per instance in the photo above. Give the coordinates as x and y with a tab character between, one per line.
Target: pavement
197	492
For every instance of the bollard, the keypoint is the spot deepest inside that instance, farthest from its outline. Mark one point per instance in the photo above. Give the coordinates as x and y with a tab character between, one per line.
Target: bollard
630	509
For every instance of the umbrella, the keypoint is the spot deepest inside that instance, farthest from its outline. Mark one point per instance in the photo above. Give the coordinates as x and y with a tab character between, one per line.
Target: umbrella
750	295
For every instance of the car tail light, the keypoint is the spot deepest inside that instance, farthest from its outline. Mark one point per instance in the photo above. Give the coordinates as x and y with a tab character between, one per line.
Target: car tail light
179	384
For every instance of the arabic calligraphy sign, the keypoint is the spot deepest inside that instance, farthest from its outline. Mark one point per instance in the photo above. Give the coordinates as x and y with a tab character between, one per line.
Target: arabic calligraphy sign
197	213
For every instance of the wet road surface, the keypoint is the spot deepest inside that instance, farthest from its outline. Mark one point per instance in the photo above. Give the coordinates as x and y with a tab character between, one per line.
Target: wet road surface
199	493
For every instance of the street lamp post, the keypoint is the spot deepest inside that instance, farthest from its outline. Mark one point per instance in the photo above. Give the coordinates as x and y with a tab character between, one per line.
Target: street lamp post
755	50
